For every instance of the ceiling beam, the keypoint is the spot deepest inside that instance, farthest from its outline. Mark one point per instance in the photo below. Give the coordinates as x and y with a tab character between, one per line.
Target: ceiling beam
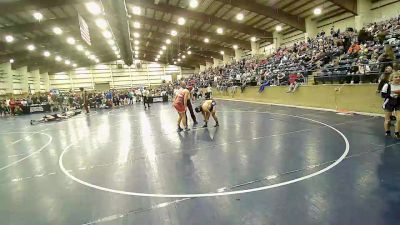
145	45
29	5
35	26
195	32
348	5
118	9
190	42
270	12
205	18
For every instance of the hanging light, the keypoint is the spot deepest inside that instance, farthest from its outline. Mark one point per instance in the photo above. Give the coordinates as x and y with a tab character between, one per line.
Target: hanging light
38	16
317	11
253	39
181	21
136	25
57	30
206	40
71	40
93	8
46	53
193	4
220	30
101	23
136	10
239	16
168	41
79	47
107	34
31	47
235	47
9	38
174	33
278	28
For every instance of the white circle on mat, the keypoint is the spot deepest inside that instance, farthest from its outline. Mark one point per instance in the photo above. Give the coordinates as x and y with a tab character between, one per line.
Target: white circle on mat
214	194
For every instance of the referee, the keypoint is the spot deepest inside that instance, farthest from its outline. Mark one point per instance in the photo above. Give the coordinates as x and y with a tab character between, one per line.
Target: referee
146	94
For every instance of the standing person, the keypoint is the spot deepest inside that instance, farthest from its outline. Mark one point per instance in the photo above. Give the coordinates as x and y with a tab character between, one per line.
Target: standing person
86	101
12	104
207	108
391	93
209	92
190	107
180	104
146	94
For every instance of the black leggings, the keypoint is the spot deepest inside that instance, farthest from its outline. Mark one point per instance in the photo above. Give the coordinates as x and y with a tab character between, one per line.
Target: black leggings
190	107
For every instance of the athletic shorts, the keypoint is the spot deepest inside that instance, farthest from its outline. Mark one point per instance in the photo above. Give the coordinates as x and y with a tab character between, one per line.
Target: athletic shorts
391	104
179	107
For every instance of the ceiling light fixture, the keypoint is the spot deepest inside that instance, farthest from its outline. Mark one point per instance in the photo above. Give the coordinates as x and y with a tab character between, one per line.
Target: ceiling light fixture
136	10
278	28
57	30
101	23
136	42
164	47
168	41
58	58
74	65
239	16
38	16
317	11
184	57
136	25
93	8
67	62
222	52
253	39
174	33
206	40
114	48
71	40
31	47
107	34
97	60
46	53
12	60
189	52
79	47
181	21
235	47
136	48
111	42
136	35
9	38
220	30
193	4
179	60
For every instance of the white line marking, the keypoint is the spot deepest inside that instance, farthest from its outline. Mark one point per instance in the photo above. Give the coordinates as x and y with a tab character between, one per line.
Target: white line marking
300	107
335	163
33	153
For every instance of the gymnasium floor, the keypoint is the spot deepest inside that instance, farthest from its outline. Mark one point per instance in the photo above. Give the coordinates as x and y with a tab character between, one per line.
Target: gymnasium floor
263	165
